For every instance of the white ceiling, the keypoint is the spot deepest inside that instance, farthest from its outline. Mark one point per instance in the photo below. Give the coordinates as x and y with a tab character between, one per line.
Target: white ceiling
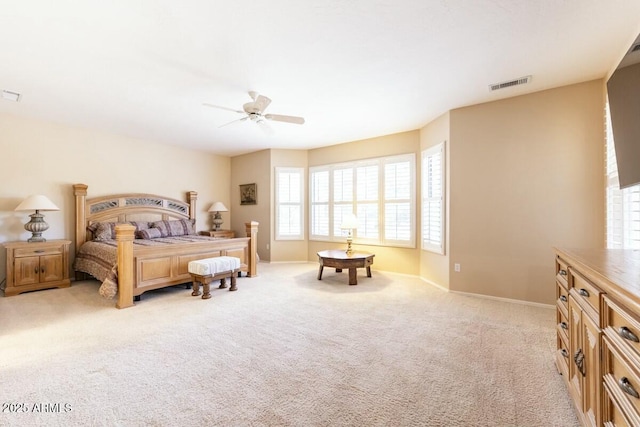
354	69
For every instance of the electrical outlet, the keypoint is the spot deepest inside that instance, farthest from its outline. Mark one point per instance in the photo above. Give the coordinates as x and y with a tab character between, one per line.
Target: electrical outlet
456	268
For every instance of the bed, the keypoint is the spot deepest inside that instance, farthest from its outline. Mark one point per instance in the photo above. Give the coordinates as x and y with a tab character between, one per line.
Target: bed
136	261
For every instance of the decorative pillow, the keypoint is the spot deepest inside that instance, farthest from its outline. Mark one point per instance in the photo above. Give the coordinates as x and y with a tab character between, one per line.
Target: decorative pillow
140	225
107	230
93	227
149	233
104	231
179	227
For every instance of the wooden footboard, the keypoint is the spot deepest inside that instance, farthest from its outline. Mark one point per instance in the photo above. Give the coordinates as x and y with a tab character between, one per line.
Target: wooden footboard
146	268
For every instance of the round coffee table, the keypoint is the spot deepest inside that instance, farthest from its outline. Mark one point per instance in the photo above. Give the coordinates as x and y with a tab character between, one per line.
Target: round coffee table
339	259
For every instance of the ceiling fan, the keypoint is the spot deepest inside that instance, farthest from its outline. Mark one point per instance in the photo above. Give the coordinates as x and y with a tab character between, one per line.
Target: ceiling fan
254	111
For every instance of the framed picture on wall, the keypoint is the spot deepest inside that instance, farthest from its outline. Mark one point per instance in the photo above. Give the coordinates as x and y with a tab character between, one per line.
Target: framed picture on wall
248	194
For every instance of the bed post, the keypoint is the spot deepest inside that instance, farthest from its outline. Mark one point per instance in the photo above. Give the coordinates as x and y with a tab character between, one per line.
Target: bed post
124	237
252	233
192	196
80	191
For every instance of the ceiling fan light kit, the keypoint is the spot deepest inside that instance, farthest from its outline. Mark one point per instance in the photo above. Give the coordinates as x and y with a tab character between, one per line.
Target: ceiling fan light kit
255	112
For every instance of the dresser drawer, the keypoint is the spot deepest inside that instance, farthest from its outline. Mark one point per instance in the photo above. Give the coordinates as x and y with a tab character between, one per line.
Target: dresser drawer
562	295
585	292
622	380
562	325
623	327
613	415
562	272
562	361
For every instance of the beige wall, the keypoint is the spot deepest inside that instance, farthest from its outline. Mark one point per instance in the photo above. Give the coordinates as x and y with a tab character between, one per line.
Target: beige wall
248	169
526	175
288	250
43	158
434	267
400	260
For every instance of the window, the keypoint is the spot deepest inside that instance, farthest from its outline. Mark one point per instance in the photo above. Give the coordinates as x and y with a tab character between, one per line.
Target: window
433	200
623	206
381	192
289	203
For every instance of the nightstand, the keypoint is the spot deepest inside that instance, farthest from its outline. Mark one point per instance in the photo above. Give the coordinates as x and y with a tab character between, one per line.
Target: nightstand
37	265
221	234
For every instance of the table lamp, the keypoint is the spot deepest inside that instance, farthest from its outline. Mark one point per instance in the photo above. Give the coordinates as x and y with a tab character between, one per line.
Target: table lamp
217	207
37	225
349	222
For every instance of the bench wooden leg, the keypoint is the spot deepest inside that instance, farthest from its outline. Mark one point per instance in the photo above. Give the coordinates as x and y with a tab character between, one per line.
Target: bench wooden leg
196	288
223	283
206	288
233	283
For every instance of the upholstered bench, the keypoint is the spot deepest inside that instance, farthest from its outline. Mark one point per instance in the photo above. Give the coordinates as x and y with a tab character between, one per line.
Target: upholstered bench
207	270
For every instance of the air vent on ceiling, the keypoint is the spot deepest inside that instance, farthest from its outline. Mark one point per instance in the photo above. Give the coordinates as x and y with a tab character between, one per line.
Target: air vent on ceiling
510	83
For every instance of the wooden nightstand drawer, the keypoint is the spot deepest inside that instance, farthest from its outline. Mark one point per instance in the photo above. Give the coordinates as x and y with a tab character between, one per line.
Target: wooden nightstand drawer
221	234
48	250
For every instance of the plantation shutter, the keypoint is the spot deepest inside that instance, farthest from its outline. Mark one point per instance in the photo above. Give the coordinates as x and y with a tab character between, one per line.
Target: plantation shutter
398	178
319	203
433	199
289	203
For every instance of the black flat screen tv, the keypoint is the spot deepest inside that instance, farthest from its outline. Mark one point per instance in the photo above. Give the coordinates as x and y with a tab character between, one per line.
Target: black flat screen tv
623	90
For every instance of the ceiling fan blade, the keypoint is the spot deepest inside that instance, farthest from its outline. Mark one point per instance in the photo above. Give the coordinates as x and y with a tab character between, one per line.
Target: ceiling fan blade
233	121
261	103
281	118
206	104
265	127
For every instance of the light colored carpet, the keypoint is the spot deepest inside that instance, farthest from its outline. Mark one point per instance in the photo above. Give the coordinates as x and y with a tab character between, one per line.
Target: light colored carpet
284	350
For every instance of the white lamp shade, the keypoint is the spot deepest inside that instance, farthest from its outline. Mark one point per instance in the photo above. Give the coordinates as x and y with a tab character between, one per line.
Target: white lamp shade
349	222
218	207
37	202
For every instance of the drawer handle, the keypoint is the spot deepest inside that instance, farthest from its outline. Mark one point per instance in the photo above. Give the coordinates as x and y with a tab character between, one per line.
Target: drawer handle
35	270
39	251
563	272
626	386
583	292
625	333
564	352
564	325
578	359
42	270
563	298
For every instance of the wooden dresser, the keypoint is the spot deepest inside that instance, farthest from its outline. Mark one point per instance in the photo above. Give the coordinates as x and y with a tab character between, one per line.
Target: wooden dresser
598	333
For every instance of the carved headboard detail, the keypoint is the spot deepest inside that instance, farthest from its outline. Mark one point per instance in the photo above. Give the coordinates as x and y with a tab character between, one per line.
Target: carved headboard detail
127	207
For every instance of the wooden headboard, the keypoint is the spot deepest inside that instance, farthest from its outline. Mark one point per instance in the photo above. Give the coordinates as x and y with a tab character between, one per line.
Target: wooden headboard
127	207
